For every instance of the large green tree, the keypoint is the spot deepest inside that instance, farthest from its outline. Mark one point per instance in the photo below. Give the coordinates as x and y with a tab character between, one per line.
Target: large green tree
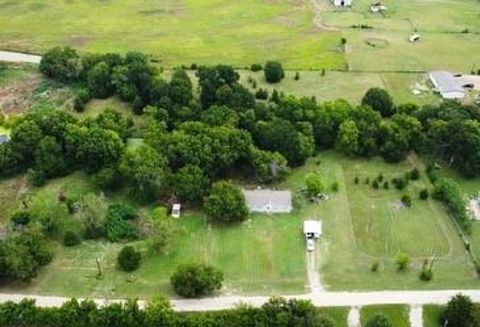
226	203
190	183
379	100
195	280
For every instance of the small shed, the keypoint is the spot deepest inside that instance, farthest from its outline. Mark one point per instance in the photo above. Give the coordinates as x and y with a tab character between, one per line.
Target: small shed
312	229
176	208
268	201
342	3
446	84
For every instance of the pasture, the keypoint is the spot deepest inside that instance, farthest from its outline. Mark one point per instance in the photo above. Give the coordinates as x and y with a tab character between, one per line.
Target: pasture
178	32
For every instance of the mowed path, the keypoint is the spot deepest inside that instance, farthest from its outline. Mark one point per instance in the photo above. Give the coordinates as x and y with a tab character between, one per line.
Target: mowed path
19	57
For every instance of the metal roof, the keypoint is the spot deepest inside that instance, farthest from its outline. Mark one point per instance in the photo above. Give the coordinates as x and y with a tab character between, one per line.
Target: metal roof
445	82
312	227
263	198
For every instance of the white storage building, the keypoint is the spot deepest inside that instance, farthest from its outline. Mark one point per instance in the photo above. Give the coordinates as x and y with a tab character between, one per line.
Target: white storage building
268	201
447	85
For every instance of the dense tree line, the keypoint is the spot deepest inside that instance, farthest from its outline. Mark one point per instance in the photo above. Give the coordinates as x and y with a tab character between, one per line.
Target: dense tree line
158	312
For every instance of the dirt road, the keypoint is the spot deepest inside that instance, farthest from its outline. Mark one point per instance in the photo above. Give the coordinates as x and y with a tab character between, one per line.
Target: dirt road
19	57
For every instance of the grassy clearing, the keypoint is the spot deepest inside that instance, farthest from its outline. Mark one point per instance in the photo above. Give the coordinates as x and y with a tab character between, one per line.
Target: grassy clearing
355	237
337	314
179	32
431	315
397	314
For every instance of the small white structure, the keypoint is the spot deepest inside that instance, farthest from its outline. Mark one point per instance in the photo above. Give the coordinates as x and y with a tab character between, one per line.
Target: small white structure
447	85
312	229
342	3
414	37
176	210
4	139
378	7
268	201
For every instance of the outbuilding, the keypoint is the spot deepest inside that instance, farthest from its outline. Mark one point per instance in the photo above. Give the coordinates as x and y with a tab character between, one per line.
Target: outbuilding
268	201
342	3
312	229
447	85
176	210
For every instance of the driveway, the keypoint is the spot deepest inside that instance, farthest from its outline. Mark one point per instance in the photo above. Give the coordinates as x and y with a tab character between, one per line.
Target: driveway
19	57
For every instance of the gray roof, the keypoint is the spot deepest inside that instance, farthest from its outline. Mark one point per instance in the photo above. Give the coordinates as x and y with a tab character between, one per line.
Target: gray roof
445	82
4	139
261	198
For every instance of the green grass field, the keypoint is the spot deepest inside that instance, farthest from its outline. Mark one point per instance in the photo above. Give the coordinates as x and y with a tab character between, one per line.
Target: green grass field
431	315
179	32
337	314
396	314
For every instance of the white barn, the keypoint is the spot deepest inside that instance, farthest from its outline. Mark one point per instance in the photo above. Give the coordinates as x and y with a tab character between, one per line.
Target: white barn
447	85
342	3
268	201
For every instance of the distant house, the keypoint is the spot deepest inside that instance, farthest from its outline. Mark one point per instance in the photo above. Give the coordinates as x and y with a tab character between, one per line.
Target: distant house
4	139
268	201
342	3
447	85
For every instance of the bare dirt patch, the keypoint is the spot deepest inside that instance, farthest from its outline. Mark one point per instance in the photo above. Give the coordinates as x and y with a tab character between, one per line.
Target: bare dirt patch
16	98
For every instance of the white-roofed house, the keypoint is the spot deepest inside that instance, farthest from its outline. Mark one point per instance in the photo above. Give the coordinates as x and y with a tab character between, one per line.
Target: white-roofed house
447	84
268	201
312	229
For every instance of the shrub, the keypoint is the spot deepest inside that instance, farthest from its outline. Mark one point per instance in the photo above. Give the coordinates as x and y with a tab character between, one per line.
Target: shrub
108	178
274	72
261	94
400	183
356	180
380	178
379	100
335	186
343	41
21	218
431	172
193	66
314	184
448	192
129	259
460	312
402	260
81	99
406	200
71	239
378	320
256	67
386	185
423	195
375	185
36	177
427	274
375	266
414	174
297	76
195	280
117	226
367	180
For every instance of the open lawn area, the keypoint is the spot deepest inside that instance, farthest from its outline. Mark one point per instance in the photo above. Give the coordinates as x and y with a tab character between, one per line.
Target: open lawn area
364	226
337	314
396	314
431	315
178	32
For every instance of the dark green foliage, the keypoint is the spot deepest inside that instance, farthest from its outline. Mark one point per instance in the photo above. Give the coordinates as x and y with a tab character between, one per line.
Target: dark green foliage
61	63
23	254
375	185
314	185
71	239
400	182
426	274
36	177
81	99
356	180
21	218
129	259
367	180
190	184
448	192
220	115
431	172
378	320
261	94
459	312
414	174
256	67
268	166
343	41
406	200
402	260
118	226
379	100
297	76
99	81
375	266
386	185
334	187
424	194
273	72
226	203
108	178
195	280
380	178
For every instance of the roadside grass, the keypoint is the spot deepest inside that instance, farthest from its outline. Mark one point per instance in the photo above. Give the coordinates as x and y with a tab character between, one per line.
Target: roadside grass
338	315
178	32
11	191
397	314
355	238
431	315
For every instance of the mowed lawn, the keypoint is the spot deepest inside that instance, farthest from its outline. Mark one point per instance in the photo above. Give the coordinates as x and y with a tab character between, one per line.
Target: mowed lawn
176	31
265	254
396	314
361	228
